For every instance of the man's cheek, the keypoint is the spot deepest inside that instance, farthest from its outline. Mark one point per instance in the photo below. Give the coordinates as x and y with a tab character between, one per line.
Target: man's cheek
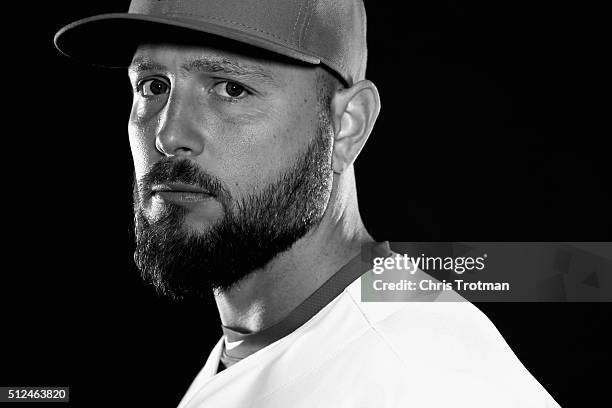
247	160
143	152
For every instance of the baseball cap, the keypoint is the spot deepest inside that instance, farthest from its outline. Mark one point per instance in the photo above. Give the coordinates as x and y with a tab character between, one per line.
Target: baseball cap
327	32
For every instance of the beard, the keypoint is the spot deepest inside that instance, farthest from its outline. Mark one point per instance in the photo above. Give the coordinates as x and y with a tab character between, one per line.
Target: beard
183	263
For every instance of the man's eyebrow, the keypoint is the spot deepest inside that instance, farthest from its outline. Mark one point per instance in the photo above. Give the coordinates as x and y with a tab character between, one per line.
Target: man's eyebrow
210	65
141	64
230	67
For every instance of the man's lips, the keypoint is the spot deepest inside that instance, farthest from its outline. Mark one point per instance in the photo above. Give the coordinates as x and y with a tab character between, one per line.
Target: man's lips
180	193
178	187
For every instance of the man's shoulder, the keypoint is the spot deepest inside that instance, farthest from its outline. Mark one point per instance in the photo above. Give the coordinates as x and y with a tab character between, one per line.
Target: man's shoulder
429	320
458	329
450	342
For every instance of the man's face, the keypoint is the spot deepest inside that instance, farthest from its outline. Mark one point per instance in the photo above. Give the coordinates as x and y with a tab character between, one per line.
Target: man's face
232	160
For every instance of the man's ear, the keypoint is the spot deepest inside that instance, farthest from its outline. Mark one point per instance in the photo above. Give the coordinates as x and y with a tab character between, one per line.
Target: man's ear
355	110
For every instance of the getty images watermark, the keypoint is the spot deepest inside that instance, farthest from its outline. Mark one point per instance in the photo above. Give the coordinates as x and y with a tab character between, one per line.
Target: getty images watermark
488	272
413	265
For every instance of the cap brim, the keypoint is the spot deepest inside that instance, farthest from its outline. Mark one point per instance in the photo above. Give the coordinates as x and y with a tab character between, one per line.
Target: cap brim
109	40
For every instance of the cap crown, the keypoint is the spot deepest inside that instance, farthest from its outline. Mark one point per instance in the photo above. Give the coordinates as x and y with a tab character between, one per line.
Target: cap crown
330	32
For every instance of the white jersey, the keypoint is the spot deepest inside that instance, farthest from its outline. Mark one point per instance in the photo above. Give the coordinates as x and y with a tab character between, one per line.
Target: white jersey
359	354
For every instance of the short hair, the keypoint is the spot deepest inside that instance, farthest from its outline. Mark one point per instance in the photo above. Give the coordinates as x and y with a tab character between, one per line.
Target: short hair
327	84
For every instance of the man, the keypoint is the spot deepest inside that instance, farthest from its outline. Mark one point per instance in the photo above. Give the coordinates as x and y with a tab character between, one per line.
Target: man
247	118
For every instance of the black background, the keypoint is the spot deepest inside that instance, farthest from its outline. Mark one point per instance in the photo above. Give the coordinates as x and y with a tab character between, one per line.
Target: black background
492	129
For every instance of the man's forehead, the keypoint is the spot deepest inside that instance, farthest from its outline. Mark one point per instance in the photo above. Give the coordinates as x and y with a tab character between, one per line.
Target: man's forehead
162	56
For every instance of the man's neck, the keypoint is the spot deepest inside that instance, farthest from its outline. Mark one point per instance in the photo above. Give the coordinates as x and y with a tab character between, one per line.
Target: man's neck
268	295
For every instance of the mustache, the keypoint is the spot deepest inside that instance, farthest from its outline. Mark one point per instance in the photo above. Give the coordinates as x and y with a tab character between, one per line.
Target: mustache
173	170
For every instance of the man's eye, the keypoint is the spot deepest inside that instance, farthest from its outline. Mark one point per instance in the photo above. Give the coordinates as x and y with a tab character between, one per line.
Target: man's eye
152	87
229	89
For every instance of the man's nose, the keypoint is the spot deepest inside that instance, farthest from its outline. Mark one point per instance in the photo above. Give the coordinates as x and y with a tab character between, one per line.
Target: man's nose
179	132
